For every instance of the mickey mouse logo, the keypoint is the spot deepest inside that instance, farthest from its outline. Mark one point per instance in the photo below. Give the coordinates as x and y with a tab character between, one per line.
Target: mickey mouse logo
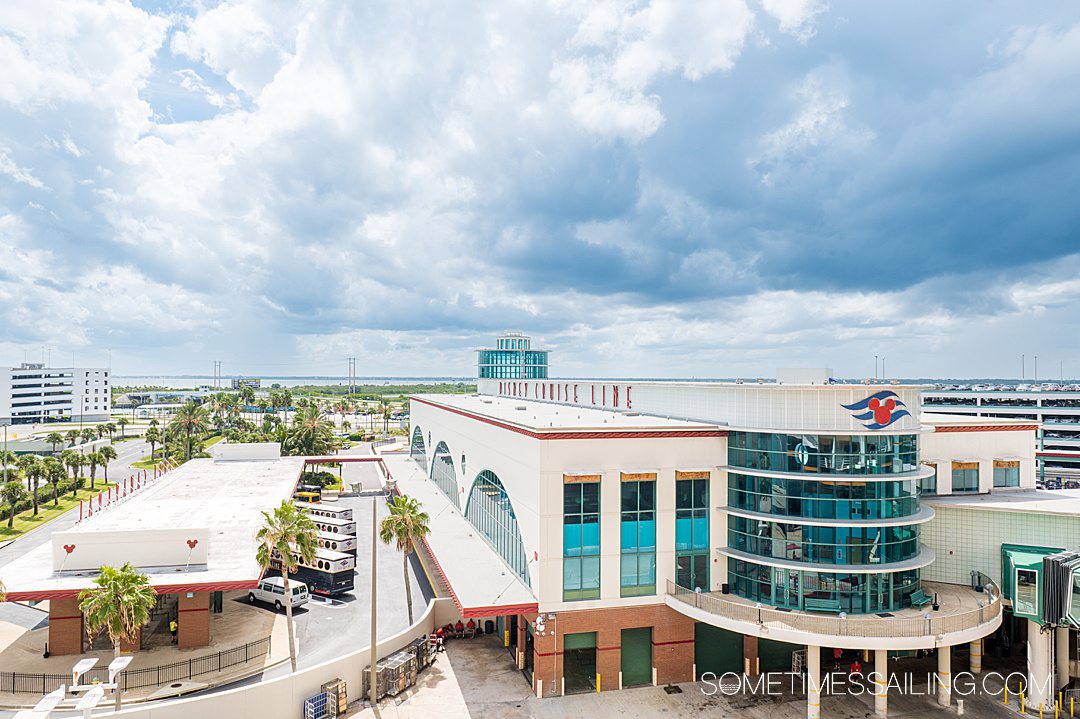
192	543
69	548
881	409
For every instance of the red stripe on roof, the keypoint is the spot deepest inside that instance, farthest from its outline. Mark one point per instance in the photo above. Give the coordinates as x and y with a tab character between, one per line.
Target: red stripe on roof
988	428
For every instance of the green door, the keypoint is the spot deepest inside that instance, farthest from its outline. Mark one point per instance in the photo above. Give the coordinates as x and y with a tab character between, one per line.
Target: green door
775	656
716	650
636	656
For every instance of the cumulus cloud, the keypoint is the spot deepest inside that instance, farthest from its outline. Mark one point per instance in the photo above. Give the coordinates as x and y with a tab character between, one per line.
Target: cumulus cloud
650	186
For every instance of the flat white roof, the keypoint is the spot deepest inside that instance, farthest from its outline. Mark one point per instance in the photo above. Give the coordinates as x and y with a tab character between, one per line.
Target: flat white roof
1041	501
225	497
481	583
541	416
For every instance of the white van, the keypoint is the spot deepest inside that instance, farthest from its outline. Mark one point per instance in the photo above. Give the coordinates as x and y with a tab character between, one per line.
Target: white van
272	591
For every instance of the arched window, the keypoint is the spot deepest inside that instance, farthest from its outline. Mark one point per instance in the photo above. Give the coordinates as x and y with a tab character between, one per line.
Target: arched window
417	450
490	511
443	475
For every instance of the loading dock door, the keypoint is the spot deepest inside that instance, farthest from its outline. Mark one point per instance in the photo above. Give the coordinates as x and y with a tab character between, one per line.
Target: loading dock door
637	656
717	650
579	662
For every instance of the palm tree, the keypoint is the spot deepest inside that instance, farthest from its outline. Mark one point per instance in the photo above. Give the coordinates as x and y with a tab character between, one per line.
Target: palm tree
310	434
12	493
54	439
387	410
190	419
26	463
287	537
153	436
72	436
88	435
94	459
120	602
286	401
108	454
247	395
100	430
54	473
121	423
407	525
34	472
110	429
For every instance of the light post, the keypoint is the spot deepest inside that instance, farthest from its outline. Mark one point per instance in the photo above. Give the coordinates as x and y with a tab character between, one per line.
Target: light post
374	625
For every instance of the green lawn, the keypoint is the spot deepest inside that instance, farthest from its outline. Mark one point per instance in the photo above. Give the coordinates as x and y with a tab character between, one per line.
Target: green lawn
25	521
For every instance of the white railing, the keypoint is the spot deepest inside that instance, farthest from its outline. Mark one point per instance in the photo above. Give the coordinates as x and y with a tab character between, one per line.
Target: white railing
853	625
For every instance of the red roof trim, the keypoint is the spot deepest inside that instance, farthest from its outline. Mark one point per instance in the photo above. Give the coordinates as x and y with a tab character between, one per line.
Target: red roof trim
161	589
618	434
987	428
1070	455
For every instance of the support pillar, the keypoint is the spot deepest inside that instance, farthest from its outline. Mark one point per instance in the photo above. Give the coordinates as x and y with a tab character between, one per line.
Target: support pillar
881	682
65	626
1061	656
944	676
751	662
193	620
813	682
1040	666
975	652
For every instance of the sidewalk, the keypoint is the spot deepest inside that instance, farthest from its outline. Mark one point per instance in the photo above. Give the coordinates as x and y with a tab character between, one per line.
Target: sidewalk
21	651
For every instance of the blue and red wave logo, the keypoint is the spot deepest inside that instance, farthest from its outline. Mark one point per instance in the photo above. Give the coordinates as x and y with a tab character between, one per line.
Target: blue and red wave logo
882	409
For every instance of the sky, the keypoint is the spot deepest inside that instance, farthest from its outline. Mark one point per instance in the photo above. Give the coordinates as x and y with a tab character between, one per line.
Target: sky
698	188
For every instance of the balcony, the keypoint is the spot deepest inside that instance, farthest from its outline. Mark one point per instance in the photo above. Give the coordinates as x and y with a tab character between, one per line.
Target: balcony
963	616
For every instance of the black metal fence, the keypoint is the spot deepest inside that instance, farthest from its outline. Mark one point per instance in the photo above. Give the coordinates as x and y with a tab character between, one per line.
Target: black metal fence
28	683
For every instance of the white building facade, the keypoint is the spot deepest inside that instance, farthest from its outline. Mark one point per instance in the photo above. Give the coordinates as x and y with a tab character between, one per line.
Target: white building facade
33	393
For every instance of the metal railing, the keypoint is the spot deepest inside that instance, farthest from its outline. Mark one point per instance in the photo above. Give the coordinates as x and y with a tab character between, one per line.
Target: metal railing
31	683
853	625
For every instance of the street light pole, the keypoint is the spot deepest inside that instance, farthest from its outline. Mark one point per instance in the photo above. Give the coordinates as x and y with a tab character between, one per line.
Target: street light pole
374	626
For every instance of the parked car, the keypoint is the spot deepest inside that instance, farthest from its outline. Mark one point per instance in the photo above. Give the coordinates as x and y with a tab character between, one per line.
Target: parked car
1053	484
272	591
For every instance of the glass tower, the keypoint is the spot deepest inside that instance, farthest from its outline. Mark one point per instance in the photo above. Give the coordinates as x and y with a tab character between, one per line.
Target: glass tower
512	358
809	514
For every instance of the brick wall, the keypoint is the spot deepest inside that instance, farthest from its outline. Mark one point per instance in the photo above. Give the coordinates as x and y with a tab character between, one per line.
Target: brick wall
65	626
194	620
672	637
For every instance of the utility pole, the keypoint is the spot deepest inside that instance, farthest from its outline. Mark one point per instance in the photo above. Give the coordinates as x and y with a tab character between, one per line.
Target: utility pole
374	696
1023	367
352	375
883	375
875	366
1036	368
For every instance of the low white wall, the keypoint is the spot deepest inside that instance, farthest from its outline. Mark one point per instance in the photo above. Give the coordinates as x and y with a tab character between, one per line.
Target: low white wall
245	450
283	698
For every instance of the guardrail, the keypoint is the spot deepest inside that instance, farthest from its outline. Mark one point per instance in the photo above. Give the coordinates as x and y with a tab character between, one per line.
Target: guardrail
853	625
31	683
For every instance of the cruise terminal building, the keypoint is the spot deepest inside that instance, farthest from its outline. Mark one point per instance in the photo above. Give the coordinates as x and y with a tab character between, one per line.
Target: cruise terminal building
651	532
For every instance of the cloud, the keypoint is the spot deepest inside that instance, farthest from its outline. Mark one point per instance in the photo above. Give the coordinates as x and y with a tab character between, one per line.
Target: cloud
650	187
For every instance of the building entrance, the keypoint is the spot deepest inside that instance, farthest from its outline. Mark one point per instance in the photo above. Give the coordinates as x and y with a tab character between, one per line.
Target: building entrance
579	662
636	656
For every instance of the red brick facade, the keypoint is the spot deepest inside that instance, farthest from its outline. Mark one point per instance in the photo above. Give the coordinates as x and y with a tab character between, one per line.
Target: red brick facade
194	620
65	626
672	643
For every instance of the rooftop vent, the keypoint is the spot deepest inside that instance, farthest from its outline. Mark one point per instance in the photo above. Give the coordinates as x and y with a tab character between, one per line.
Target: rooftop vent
521	406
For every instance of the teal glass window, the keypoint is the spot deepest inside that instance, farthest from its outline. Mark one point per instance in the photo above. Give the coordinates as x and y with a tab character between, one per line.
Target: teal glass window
824	498
581	540
692	533
443	475
823	544
490	511
1007	476
822	591
824	454
638	539
965	479
928	485
417	450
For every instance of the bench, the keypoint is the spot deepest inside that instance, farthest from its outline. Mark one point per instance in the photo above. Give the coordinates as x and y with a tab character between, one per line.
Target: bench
919	598
811	604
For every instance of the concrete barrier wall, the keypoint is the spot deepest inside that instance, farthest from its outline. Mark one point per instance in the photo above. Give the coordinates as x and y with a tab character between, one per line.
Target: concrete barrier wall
283	698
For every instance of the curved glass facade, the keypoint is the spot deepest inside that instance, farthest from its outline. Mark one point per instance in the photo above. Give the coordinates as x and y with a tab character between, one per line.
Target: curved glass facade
826	489
417	451
823	545
823	453
490	511
824	498
443	475
822	591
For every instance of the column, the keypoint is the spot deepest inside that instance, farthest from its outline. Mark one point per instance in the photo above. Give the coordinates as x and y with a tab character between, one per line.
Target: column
944	675
193	620
975	652
813	682
1040	662
65	626
881	682
1061	656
